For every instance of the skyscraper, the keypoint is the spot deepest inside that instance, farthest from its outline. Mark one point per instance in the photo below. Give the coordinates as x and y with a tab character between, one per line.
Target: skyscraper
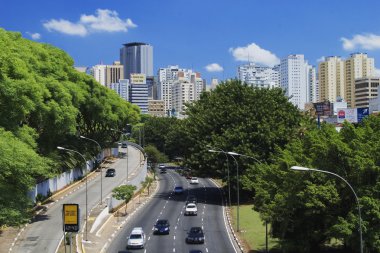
137	58
331	79
359	65
107	74
258	76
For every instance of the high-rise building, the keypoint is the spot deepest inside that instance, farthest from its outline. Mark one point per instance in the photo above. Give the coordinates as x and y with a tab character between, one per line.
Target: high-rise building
214	83
183	92
359	65
107	74
331	79
137	58
296	78
312	83
365	89
121	88
99	73
138	92
258	76
156	108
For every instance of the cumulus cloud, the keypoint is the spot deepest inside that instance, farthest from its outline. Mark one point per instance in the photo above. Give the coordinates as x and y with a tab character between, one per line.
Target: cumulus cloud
254	53
214	67
34	36
361	41
103	21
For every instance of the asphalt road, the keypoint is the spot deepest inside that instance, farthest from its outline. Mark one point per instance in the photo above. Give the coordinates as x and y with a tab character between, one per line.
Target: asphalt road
45	232
166	205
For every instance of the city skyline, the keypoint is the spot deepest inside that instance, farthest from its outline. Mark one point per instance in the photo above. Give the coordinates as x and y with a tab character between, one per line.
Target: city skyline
211	37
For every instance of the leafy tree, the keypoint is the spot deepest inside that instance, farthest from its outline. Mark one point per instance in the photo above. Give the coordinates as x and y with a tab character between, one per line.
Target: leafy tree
125	193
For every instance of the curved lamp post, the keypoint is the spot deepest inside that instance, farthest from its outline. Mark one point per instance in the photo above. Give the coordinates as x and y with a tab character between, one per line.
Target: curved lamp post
85	162
101	176
219	150
233	154
299	168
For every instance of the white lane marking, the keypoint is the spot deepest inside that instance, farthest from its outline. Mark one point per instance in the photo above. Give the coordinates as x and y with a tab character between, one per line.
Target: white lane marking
174	237
148	238
206	249
173	249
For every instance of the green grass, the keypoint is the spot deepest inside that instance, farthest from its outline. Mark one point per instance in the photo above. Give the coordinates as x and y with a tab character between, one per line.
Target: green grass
252	228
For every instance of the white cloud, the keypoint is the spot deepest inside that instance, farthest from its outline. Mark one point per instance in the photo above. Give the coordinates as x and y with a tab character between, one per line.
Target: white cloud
361	41
254	53
321	59
66	27
103	21
34	36
214	67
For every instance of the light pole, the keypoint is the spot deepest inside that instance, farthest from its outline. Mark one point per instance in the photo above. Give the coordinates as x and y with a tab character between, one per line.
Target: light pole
228	171
101	176
85	162
299	168
233	154
126	181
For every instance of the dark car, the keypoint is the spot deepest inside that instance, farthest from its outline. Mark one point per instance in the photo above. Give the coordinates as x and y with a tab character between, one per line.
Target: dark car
195	235
178	190
110	172
195	251
124	144
191	199
162	227
163	170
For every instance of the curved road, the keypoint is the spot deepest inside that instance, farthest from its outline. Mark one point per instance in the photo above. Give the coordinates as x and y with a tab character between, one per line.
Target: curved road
45	232
166	205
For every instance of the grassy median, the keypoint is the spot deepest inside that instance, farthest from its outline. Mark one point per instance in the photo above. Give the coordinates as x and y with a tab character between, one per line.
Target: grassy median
252	229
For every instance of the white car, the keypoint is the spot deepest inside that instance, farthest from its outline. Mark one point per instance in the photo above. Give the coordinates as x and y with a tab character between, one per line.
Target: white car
136	239
194	180
191	209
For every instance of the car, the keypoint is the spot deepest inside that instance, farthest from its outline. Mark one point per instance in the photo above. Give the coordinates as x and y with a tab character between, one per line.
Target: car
136	239
191	209
163	170
191	199
124	144
178	190
195	251
195	235
188	176
110	173
194	180
162	227
161	166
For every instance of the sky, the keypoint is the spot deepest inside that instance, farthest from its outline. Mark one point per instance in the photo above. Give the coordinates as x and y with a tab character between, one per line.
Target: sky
212	37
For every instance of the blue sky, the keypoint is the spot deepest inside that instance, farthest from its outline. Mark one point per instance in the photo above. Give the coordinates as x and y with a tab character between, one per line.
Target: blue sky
195	34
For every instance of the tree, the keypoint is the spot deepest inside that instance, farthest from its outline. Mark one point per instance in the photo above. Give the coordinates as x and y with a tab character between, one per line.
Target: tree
125	193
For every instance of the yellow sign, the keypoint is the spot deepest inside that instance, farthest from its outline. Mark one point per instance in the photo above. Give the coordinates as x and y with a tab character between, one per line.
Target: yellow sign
138	79
70	212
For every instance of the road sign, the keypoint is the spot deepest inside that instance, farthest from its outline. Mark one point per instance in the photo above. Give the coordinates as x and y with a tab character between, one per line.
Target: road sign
70	215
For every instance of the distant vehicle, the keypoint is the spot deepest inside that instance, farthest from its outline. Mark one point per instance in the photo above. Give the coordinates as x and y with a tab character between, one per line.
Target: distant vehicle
124	144
161	166
188	176
162	227
163	170
195	235
136	239
110	173
178	190
194	180
195	251
191	199
191	209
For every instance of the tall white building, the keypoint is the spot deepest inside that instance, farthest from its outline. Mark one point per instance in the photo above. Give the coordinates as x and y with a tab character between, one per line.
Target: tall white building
298	79
107	74
258	76
99	73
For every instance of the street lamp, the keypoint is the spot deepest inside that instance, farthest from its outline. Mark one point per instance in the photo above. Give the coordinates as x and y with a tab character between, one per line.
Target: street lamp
228	170
126	181
233	154
85	162
299	168
101	176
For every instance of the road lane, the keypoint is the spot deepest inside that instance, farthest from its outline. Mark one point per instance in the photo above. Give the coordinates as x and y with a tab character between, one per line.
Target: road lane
44	233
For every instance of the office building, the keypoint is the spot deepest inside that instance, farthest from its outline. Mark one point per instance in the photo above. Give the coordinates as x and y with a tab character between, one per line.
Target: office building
121	88
359	65
365	89
296	78
331	79
137	58
156	108
138	92
107	74
258	76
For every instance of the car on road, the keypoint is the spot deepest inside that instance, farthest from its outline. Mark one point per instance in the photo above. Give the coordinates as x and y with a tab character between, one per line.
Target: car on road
124	144
178	190
195	235
162	227
195	251
191	199
191	209
110	173
136	239
194	180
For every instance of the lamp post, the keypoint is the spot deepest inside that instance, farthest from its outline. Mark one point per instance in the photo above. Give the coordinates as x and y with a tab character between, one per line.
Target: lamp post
126	181
233	154
228	171
299	168
85	162
101	176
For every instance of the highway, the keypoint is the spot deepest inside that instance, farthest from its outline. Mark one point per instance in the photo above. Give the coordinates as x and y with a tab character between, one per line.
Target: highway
44	233
166	205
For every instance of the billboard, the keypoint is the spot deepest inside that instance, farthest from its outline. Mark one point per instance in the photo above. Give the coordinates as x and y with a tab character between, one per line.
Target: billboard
70	215
138	79
354	115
